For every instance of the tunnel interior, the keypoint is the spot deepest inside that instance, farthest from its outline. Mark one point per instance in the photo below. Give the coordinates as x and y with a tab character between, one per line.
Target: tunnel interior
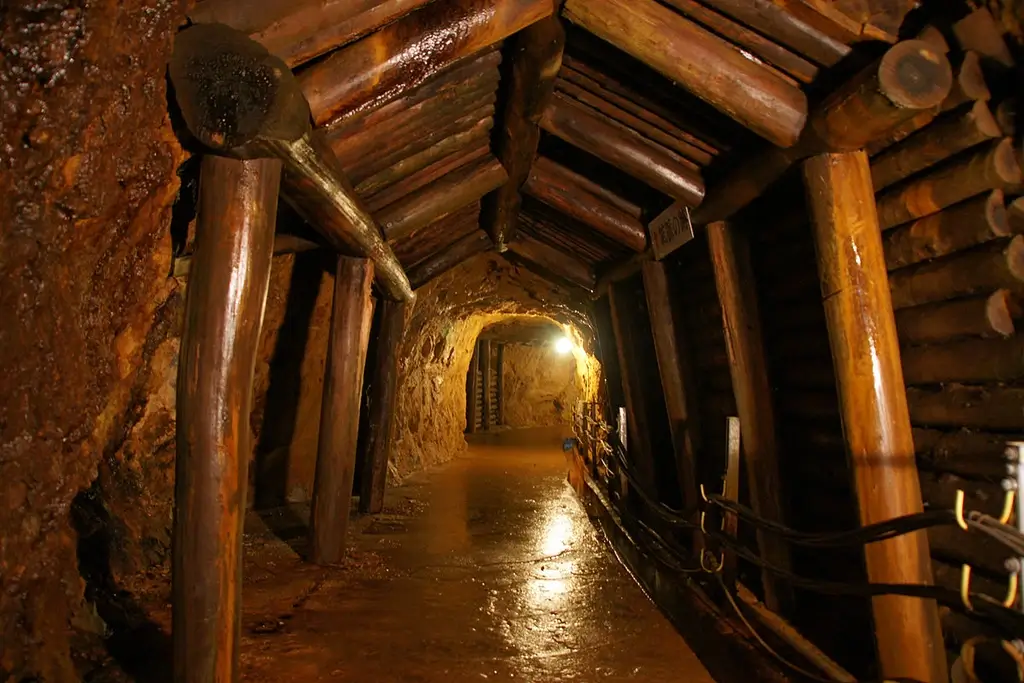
593	340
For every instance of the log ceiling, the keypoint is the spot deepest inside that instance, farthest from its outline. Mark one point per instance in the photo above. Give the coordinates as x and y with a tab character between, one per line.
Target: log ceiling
556	137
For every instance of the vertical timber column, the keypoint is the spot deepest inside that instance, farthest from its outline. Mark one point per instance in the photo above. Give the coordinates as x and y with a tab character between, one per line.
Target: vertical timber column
383	388
499	370
873	403
351	317
226	297
734	280
471	390
674	377
484	352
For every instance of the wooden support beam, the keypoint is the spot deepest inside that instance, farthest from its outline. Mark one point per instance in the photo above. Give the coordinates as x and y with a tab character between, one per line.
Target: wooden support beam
568	192
500	379
677	380
382	389
980	32
992	166
536	58
986	316
935	143
957	406
996	265
469	246
700	61
873	404
980	219
351	317
437	236
554	261
741	321
977	361
462	187
427	175
299	30
484	350
405	54
595	133
911	77
223	315
472	388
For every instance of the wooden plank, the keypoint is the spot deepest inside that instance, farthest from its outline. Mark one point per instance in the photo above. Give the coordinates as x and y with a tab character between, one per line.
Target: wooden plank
223	315
734	280
873	404
351	318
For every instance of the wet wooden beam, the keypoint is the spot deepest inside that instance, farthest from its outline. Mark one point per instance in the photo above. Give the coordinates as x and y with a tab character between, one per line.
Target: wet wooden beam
700	61
351	318
223	314
935	143
382	390
466	248
536	58
992	166
437	236
624	148
678	383
568	192
299	30
472	389
909	78
987	316
980	219
554	261
425	176
873	404
741	321
996	265
957	407
445	195
408	52
484	350
977	361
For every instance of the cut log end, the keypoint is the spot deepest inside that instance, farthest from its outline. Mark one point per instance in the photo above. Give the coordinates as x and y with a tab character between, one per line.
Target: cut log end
999	311
996	215
971	79
1015	257
914	75
1005	164
232	91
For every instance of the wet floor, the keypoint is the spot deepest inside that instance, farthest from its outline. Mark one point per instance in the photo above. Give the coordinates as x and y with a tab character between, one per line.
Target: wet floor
485	569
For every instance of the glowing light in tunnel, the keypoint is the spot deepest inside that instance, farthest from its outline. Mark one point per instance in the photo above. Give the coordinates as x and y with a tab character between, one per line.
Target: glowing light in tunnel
563	345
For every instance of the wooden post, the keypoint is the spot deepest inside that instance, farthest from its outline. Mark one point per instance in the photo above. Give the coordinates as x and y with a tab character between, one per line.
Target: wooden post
351	317
472	387
741	321
484	351
536	55
873	404
380	407
224	311
677	382
500	371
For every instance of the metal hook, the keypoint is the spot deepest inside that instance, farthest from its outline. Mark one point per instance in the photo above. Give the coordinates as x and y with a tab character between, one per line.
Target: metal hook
965	586
1011	593
703	495
958	509
717	567
1011	496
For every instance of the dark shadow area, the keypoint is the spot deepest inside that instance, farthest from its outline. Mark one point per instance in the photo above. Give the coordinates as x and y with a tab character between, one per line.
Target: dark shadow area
270	469
137	644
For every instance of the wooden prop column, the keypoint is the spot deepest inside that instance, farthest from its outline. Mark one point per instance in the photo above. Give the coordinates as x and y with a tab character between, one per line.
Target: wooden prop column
484	351
380	423
873	403
734	279
536	59
472	387
500	379
227	292
351	317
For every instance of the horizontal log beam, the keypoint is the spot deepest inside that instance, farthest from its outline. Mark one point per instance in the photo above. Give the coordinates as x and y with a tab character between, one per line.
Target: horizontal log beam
987	316
448	193
957	406
968	360
466	248
559	188
963	452
437	236
700	61
992	166
626	149
553	261
426	176
408	52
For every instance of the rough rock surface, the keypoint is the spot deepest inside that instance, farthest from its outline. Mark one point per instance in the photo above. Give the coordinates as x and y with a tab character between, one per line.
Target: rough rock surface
541	386
87	181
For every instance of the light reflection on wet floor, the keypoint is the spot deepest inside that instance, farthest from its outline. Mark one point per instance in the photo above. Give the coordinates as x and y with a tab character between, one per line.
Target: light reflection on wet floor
485	569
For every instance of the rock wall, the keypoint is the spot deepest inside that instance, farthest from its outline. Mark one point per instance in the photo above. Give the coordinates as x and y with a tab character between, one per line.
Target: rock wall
541	386
87	182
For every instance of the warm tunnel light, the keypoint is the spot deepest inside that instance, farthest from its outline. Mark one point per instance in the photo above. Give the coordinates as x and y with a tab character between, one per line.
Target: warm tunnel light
563	345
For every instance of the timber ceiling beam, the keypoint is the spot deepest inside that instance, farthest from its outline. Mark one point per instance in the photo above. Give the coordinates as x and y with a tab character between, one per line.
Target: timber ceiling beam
554	261
408	52
466	248
536	59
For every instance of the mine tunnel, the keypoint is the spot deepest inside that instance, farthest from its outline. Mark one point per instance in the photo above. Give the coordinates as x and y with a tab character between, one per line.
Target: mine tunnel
536	340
